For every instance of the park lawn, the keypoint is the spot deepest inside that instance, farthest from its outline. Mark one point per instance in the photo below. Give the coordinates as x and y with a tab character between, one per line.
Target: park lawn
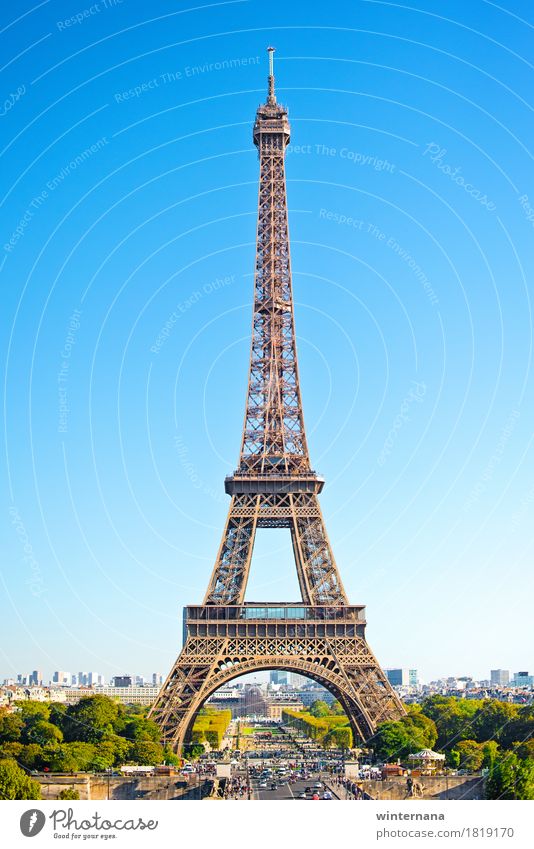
263	730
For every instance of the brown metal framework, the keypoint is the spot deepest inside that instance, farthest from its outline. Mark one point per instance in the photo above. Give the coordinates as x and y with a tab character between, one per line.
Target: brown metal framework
274	486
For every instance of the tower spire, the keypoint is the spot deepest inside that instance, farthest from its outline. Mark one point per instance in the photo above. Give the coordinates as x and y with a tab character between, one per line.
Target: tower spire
271	98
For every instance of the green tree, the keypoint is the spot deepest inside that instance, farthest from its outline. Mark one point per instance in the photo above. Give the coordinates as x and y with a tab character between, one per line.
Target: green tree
471	755
319	709
42	733
193	751
336	708
340	737
392	741
69	793
146	752
421	727
91	719
453	718
58	712
70	757
31	756
490	751
30	711
524	750
520	729
15	784
399	738
11	726
139	728
452	758
198	736
511	778
171	757
213	737
122	749
104	757
493	719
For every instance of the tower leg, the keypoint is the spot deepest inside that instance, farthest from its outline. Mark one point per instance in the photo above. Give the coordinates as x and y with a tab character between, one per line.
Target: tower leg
230	573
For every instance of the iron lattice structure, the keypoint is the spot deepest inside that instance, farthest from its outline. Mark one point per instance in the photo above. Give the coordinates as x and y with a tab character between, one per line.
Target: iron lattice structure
274	486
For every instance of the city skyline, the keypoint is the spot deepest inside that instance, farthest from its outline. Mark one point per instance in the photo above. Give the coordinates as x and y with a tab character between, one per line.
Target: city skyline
121	422
505	677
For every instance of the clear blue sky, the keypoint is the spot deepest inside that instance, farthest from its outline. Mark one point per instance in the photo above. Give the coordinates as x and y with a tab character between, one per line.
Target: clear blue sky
129	188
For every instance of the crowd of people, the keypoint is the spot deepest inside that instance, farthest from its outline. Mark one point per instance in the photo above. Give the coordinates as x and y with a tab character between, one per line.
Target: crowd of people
236	788
347	789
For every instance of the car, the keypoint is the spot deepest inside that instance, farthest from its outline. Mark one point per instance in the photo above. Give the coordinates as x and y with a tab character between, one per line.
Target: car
262	785
273	785
318	785
327	795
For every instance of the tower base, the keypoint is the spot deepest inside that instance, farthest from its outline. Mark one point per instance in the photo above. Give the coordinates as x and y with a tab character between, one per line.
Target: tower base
326	644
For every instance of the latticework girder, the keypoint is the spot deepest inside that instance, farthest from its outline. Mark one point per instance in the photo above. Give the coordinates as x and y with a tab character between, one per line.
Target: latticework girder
274	487
343	664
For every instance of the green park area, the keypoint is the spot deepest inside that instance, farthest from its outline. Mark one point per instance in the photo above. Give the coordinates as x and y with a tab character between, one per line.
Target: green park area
94	735
210	726
98	734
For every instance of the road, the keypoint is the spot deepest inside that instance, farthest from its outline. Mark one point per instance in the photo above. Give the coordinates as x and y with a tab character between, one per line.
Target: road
285	791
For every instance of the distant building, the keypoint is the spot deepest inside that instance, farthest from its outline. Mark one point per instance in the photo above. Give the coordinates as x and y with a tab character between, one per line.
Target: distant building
126	695
402	677
157	679
12	693
122	681
297	680
500	677
309	695
276	706
62	679
276	676
231	698
254	702
36	678
522	679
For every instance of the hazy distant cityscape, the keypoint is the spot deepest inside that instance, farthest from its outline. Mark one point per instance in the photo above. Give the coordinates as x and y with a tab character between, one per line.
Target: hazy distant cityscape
261	694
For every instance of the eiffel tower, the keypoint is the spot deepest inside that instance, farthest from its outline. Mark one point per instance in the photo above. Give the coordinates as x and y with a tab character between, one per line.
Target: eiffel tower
322	636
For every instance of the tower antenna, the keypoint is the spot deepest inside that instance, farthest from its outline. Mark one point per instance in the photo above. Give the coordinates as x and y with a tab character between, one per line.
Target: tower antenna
271	96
